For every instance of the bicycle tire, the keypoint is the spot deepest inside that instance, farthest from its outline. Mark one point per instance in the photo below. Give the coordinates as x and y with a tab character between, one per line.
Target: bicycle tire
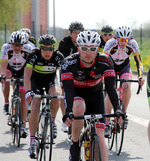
18	121
95	152
47	140
119	136
112	135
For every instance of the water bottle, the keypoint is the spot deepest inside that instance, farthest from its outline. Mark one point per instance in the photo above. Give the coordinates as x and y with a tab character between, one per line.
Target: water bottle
87	149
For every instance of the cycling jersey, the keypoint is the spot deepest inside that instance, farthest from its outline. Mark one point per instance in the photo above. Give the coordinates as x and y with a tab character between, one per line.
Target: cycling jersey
121	57
15	61
44	69
102	44
67	47
78	79
148	87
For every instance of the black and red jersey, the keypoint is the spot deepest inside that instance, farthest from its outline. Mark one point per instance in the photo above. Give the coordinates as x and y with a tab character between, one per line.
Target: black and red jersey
88	80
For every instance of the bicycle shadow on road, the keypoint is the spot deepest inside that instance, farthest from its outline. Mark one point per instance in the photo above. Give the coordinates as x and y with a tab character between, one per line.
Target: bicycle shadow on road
10	148
65	144
123	157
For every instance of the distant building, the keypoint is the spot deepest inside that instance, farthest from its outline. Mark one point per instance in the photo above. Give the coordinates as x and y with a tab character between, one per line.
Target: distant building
37	17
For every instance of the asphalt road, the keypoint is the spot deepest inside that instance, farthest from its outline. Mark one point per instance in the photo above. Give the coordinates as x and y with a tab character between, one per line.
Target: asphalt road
135	148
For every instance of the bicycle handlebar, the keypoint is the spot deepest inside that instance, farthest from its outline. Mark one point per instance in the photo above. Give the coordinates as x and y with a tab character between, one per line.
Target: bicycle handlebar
48	96
94	116
130	80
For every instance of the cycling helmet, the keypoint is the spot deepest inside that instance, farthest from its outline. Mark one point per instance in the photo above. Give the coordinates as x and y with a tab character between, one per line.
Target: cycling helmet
88	38
76	26
46	40
28	31
107	29
124	32
18	37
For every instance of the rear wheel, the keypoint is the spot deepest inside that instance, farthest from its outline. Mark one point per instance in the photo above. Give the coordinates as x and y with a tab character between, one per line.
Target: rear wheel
119	137
95	153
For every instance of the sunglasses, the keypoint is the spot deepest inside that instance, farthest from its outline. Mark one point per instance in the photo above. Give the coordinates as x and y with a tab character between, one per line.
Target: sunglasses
107	34
47	48
85	49
15	45
122	39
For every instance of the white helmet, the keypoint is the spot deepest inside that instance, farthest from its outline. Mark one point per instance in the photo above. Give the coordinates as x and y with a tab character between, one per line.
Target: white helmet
18	37
88	38
124	32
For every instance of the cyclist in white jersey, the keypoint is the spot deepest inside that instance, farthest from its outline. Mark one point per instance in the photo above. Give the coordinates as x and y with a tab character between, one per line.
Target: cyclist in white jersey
13	59
119	48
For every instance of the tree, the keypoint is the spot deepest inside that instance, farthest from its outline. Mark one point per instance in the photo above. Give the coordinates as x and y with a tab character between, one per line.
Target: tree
11	13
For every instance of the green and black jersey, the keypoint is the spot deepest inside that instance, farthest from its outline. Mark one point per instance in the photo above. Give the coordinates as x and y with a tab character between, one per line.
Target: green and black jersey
44	68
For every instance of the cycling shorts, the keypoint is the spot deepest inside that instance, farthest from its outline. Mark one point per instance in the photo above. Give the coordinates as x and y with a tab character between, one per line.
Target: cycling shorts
94	102
123	70
37	86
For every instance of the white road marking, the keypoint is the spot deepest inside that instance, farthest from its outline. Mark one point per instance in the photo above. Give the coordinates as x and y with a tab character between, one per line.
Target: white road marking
141	121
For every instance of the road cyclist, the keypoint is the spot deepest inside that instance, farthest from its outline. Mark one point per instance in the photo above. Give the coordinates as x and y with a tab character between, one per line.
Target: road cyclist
119	48
40	72
68	46
82	73
13	59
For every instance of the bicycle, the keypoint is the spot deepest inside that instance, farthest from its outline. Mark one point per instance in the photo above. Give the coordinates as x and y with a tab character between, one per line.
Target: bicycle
15	117
44	135
89	133
117	132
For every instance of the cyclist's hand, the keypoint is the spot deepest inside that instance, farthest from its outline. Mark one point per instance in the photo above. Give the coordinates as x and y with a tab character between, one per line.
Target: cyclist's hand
120	116
67	118
2	78
29	95
141	81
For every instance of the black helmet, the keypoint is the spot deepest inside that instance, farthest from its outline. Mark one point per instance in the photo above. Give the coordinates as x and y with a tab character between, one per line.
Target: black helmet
107	29
46	40
76	26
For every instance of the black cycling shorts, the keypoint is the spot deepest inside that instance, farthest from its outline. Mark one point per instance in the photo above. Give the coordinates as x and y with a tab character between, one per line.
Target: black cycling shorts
38	85
94	102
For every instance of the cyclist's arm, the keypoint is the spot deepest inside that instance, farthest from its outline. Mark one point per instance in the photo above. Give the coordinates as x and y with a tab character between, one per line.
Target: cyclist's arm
139	65
27	77
68	85
109	78
4	64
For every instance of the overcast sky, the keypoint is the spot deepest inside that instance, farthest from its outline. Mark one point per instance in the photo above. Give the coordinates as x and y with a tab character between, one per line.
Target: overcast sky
93	13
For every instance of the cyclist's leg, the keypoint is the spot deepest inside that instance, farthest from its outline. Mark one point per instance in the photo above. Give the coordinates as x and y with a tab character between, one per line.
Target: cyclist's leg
108	107
55	90
24	109
77	125
6	91
100	132
126	74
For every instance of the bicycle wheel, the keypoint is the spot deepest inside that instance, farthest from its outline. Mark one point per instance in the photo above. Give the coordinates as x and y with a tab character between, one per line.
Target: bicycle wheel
112	136
119	137
47	140
17	123
95	153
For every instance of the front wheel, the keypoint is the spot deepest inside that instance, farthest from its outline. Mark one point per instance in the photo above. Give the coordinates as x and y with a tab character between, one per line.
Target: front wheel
95	152
47	140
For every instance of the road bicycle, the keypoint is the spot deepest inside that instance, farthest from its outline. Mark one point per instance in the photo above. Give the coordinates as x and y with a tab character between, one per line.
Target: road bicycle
117	132
89	133
15	117
44	135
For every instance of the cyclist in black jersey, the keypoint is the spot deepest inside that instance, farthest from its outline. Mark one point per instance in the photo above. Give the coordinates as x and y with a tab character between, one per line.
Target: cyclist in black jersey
40	71
148	95
82	73
106	34
68	46
13	58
